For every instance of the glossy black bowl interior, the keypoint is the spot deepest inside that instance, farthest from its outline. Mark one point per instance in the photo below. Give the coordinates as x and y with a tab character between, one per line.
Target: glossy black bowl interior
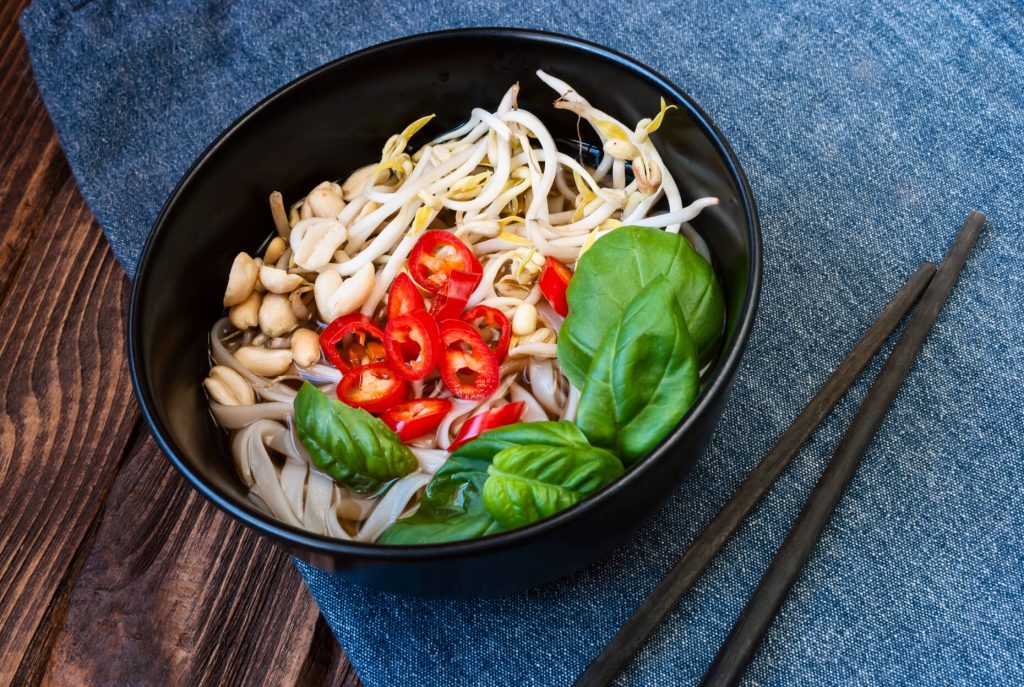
337	118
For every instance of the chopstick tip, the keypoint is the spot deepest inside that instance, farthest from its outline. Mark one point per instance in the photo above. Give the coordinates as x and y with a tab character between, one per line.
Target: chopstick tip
976	216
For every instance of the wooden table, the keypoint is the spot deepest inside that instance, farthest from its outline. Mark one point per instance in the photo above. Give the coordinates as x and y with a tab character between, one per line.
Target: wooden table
113	571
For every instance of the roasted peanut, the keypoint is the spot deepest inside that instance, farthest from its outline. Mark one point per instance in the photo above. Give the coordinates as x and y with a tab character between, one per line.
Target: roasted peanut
314	241
353	186
336	296
275	280
246	313
305	347
275	249
228	387
323	201
241	280
524	319
268	362
275	315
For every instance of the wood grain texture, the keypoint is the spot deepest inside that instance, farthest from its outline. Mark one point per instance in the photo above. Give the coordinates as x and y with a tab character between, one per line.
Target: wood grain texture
32	168
184	595
65	416
112	570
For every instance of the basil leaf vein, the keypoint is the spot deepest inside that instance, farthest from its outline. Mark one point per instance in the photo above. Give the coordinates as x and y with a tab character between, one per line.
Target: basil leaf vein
452	506
348	443
528	483
610	275
644	378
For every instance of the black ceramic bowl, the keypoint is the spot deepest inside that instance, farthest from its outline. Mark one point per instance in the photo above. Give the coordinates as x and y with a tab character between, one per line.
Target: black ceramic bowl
335	119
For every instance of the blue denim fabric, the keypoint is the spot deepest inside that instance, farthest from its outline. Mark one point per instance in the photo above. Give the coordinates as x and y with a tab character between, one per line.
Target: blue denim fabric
868	132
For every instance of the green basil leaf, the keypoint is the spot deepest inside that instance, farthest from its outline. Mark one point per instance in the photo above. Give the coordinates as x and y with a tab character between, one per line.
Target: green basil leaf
348	443
644	378
610	275
485	446
528	483
451	507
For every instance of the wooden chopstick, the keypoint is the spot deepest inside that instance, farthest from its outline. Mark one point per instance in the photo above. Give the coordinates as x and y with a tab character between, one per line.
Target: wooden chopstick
664	597
741	644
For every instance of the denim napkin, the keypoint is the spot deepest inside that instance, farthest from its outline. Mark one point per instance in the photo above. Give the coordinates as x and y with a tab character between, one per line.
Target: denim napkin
868	130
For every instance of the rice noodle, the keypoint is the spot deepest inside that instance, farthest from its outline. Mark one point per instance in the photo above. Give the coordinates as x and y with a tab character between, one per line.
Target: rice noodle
534	350
460	408
258	471
545	381
573	401
236	417
430	459
395	501
534	411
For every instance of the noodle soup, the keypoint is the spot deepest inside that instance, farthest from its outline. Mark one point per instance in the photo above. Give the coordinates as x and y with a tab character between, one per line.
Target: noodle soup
466	336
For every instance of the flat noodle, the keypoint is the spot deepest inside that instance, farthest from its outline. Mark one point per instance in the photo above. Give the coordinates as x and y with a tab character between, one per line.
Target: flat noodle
259	472
430	459
394	503
534	410
236	417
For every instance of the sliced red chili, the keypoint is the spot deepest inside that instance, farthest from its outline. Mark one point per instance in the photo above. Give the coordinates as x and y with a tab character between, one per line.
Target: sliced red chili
417	417
467	365
487	420
412	342
451	300
374	388
494	328
352	341
436	255
404	297
554	280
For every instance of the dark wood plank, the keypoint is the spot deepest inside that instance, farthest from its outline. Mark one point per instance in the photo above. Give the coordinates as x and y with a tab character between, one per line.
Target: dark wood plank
32	168
189	597
174	592
64	413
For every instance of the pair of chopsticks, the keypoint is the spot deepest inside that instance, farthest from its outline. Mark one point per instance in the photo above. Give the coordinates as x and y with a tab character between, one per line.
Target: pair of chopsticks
740	646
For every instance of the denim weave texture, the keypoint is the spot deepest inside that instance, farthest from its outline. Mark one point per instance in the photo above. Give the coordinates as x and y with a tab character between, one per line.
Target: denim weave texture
868	131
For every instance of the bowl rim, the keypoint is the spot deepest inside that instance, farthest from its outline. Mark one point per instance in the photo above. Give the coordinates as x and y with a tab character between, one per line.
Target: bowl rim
324	545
